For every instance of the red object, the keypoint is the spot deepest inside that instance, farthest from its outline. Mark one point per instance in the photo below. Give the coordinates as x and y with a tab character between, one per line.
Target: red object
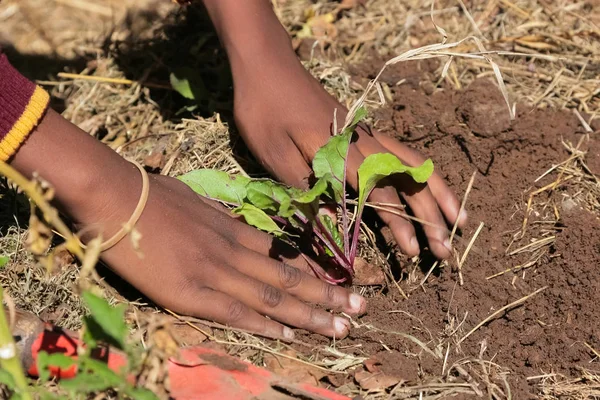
213	375
53	340
198	372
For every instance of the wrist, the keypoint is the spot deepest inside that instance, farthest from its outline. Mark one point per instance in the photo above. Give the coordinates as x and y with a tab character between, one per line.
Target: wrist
92	183
251	34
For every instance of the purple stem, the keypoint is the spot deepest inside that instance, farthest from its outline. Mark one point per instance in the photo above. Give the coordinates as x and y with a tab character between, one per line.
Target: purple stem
279	219
323	234
355	234
320	271
345	226
326	238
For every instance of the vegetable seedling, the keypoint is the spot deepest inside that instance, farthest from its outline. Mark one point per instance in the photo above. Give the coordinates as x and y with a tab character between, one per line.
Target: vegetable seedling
285	212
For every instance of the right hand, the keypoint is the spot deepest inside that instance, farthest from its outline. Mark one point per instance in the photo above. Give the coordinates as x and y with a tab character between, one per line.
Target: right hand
198	260
193	258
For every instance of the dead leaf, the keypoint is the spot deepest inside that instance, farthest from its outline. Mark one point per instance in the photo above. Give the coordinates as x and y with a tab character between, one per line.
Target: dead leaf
337	380
372	364
373	381
294	371
367	274
154	160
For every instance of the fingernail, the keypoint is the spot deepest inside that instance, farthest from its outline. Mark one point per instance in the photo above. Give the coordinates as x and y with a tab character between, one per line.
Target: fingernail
356	302
341	325
462	217
448	245
414	244
288	333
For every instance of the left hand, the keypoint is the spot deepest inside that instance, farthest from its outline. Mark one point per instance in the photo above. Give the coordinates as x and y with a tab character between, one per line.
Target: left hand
285	116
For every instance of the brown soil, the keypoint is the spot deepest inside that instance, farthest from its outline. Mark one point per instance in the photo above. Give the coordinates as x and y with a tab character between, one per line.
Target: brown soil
469	130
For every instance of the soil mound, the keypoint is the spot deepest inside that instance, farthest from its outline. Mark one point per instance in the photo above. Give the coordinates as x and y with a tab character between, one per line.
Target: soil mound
469	130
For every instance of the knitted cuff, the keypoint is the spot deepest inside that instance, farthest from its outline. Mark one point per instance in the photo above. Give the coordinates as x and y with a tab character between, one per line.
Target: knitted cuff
22	105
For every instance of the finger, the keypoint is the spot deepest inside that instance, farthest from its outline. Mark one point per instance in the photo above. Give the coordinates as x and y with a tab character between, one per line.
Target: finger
445	197
425	207
291	165
281	306
402	229
299	284
224	309
267	245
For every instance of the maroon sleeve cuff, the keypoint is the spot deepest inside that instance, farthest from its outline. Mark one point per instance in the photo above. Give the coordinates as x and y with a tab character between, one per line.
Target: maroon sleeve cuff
22	105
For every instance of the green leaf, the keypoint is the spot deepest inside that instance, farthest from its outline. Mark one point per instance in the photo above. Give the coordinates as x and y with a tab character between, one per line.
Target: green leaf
94	376
105	323
334	231
330	163
313	193
182	86
3	261
361	113
86	383
7	379
272	196
330	160
378	166
140	393
187	81
58	360
258	218
217	185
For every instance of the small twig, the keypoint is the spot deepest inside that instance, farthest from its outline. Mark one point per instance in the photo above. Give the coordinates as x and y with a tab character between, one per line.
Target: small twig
592	349
462	205
500	311
586	126
519	267
466	253
435	264
388	207
471	20
117	81
534	245
402	293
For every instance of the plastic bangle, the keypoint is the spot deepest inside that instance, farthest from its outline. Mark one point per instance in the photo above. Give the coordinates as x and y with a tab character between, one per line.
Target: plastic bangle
137	213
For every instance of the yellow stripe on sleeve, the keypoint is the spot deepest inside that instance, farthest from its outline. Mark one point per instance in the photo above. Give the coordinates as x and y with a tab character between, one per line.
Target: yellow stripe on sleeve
27	121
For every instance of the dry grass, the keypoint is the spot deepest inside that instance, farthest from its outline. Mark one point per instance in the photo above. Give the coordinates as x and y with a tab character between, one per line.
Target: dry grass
138	119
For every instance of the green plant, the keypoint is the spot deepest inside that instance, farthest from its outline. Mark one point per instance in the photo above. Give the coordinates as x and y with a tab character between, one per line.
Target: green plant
286	212
11	371
105	324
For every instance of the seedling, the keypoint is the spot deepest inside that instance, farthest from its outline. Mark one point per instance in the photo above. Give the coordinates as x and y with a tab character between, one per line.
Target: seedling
285	212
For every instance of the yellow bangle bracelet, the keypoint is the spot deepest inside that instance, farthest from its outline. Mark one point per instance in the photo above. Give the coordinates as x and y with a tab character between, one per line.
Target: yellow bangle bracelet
137	213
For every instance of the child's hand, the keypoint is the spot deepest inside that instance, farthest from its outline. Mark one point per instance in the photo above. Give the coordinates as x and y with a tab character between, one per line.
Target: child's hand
199	261
193	257
285	115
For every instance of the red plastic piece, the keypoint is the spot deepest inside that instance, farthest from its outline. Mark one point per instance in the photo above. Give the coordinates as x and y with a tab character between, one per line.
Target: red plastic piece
198	373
